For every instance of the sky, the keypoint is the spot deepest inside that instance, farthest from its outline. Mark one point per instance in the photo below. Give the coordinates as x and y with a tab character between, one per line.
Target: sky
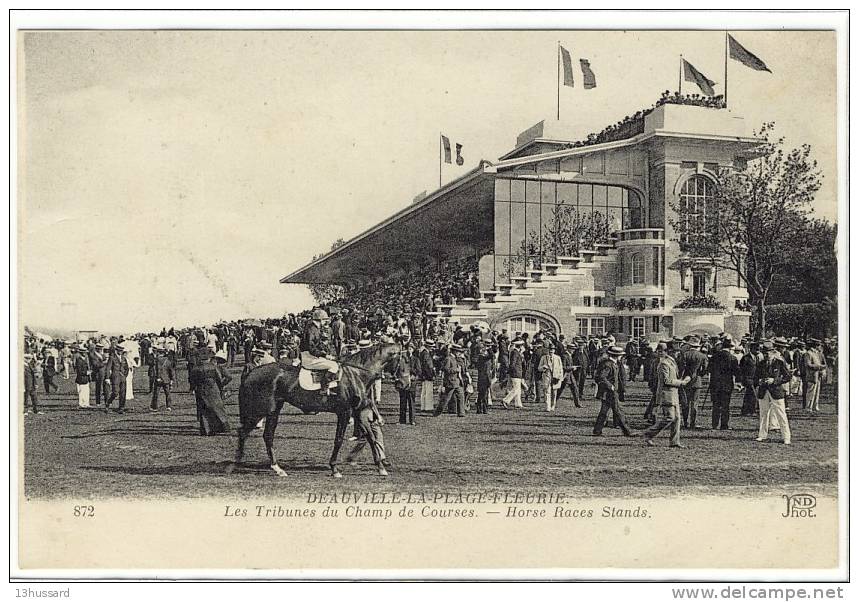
173	177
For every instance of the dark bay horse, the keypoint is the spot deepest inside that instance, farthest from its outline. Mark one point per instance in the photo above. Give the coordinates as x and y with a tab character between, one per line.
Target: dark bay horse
268	387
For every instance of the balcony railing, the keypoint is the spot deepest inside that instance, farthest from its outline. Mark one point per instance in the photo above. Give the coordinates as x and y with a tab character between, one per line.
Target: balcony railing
641	234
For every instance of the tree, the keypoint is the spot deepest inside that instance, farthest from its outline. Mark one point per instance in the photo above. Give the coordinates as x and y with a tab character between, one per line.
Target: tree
570	231
325	294
813	275
758	219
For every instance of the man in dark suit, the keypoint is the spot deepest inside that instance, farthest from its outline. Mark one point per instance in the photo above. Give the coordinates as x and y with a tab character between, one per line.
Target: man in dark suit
31	392
117	369
97	370
338	333
485	368
454	382
747	369
162	373
632	359
610	378
405	378
569	374
692	363
580	366
723	368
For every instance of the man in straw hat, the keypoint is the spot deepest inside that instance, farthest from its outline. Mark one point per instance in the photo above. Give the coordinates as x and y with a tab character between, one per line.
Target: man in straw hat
610	378
814	363
692	363
667	388
771	378
31	381
82	373
117	371
426	373
516	371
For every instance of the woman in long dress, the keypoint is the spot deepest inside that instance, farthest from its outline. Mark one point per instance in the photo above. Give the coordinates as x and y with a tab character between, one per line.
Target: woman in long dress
210	381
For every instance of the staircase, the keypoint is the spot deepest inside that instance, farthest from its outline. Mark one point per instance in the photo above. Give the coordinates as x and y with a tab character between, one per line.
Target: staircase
547	286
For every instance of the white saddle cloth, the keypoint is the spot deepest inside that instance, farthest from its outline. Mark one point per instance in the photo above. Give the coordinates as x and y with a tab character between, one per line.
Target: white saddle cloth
307	382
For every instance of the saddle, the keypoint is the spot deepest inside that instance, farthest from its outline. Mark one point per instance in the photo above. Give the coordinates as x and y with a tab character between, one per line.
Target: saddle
311	380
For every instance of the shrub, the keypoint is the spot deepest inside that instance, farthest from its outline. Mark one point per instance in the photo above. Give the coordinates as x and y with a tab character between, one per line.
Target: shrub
802	319
708	302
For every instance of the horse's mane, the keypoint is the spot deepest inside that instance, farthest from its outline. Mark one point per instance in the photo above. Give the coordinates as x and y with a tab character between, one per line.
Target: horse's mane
365	356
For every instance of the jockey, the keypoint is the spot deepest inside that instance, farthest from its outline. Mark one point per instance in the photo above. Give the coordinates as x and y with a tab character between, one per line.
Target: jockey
314	355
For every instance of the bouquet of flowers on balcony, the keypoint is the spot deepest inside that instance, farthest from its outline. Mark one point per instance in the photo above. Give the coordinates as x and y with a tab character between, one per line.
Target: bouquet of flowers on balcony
743	305
621	304
708	302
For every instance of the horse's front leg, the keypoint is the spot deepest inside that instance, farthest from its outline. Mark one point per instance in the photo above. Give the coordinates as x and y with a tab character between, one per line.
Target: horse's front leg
268	437
342	423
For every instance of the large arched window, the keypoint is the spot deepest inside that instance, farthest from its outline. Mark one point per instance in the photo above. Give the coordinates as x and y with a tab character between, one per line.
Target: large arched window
695	196
637	262
527	324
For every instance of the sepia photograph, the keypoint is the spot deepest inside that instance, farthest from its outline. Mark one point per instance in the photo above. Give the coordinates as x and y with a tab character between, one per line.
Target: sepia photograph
506	297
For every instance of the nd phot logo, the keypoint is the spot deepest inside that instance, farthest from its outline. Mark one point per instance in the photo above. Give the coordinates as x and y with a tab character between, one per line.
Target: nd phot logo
800	505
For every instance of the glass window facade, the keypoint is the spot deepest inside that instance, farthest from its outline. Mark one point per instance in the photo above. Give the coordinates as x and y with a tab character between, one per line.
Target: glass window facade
535	221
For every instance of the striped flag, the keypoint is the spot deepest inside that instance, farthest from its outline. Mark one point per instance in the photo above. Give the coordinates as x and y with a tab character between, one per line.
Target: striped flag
568	66
737	52
445	143
691	74
588	75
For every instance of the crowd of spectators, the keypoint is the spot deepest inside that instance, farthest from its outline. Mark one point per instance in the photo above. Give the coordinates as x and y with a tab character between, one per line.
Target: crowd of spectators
632	125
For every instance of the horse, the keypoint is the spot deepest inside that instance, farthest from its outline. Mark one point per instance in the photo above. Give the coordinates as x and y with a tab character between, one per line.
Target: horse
268	387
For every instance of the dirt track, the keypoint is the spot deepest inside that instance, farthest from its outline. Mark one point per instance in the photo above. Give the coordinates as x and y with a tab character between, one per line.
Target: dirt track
86	454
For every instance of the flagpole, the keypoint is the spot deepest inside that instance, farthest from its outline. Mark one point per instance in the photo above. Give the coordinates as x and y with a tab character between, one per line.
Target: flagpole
558	79
680	78
726	68
439	159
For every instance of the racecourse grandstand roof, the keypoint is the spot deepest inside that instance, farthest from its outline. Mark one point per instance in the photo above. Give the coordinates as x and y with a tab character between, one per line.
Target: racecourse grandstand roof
458	218
452	222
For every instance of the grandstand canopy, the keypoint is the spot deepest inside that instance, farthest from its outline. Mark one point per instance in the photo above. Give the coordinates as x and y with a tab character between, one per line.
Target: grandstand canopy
454	221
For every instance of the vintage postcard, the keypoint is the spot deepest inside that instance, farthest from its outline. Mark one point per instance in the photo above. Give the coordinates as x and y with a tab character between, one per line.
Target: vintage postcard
542	301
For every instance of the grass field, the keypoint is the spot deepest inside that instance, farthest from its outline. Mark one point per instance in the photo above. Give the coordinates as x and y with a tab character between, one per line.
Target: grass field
85	453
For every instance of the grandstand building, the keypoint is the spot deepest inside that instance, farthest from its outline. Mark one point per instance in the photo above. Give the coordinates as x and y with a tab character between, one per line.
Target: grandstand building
521	221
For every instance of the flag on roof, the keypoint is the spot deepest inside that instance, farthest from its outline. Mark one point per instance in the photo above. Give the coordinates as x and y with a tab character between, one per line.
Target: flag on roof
691	74
738	52
568	66
588	75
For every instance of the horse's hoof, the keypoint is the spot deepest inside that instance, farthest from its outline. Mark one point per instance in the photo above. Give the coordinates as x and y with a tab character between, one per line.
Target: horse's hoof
337	474
278	471
383	472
